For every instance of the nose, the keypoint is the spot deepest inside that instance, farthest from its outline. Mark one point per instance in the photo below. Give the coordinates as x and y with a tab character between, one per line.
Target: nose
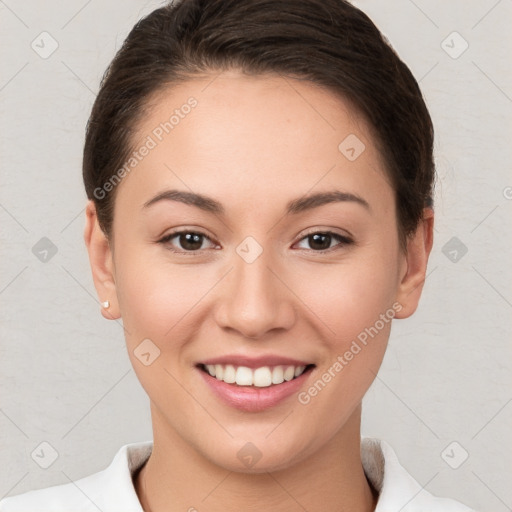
254	300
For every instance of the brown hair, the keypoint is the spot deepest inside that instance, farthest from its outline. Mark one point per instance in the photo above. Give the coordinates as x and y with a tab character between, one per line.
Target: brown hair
329	42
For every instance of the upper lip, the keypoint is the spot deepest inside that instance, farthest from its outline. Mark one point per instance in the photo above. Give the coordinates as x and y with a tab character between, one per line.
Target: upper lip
255	362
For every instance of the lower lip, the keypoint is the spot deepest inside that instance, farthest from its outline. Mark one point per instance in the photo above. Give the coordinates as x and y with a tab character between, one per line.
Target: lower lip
252	398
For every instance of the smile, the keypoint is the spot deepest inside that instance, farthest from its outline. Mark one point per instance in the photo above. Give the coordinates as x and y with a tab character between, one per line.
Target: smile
254	384
260	377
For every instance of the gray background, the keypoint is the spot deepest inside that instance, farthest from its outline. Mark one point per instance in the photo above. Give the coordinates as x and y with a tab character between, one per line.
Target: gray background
65	378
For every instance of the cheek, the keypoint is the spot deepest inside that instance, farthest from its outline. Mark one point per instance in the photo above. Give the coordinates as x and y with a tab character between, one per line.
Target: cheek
355	306
157	301
348	298
156	297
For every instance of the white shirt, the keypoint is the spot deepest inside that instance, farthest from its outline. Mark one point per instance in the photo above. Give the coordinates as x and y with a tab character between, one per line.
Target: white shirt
112	489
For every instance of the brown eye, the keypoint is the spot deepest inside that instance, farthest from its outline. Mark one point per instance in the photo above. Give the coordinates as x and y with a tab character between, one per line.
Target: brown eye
323	241
320	241
191	241
185	241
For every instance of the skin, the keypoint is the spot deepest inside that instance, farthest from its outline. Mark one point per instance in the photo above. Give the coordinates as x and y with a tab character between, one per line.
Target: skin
254	144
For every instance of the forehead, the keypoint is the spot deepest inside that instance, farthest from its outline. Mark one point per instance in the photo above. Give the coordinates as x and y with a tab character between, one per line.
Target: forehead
248	138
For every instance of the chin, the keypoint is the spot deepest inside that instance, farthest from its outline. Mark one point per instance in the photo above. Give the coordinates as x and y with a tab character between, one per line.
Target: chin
260	455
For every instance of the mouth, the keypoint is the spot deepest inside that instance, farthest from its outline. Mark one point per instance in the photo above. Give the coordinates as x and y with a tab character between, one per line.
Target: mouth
254	385
260	377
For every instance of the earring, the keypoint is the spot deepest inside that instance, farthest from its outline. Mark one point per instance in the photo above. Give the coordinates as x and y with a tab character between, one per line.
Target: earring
105	305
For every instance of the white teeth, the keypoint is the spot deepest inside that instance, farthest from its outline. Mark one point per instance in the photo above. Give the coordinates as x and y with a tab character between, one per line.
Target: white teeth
219	372
244	376
289	373
262	377
277	375
298	370
229	374
259	377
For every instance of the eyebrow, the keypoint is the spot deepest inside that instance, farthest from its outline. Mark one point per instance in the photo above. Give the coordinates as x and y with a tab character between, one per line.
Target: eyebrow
293	207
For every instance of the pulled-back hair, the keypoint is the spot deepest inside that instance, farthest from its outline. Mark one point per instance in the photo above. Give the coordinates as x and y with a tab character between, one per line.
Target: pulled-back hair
328	42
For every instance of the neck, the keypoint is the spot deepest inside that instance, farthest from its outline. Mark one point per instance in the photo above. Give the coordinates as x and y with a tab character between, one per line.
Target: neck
178	478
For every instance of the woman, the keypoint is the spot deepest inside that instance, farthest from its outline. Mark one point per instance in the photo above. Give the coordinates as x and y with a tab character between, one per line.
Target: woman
259	176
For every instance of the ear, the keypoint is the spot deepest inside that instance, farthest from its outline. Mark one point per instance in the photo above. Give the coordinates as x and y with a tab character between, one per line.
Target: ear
102	266
418	250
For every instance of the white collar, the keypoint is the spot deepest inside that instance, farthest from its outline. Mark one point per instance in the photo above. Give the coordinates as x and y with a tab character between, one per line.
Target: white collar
112	490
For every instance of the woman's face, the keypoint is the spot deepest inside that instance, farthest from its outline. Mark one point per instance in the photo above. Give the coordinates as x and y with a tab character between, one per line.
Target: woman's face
288	257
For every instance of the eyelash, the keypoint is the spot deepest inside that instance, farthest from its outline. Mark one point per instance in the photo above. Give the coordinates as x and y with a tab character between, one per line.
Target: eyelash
343	240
